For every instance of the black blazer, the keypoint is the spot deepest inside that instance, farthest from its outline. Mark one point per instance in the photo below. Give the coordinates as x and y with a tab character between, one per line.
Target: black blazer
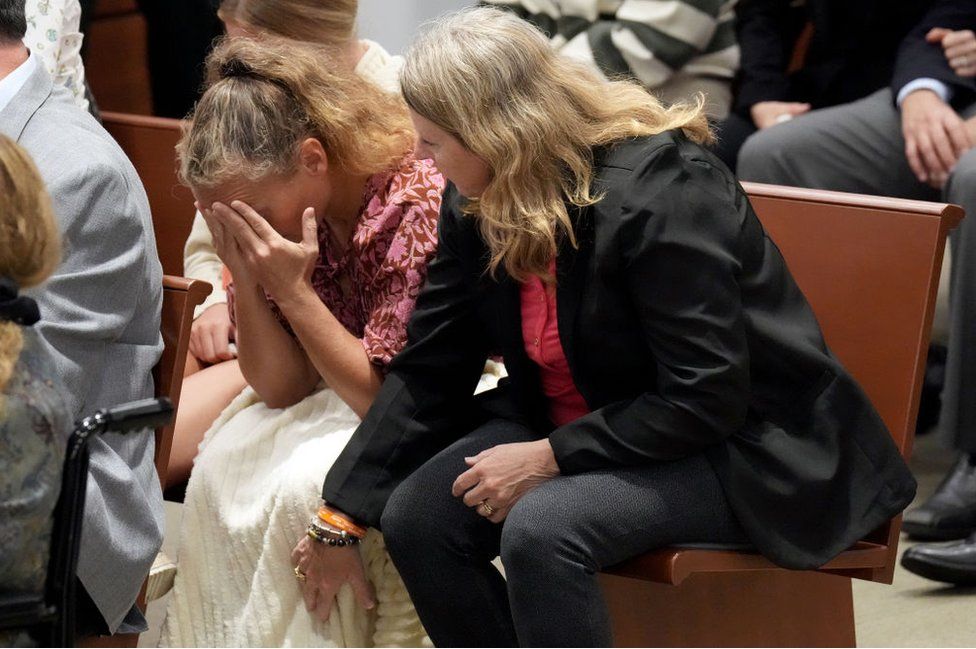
852	54
684	332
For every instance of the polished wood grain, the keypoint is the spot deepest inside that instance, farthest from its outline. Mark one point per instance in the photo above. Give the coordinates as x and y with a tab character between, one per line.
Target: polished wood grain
180	298
150	143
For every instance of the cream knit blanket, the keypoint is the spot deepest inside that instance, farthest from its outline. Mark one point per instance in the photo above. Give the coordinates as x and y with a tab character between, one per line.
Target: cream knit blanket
251	494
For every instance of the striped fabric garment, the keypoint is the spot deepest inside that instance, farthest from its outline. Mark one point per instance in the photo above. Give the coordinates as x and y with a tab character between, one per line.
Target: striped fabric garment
650	40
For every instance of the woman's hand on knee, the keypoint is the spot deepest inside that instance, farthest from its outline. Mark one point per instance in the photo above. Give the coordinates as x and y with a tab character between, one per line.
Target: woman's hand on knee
326	568
501	475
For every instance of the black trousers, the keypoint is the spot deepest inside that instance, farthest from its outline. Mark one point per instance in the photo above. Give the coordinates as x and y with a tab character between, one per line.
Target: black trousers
553	544
730	134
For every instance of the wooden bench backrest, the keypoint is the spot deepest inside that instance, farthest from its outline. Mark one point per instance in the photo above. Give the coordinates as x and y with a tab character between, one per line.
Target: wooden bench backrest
870	268
150	143
180	297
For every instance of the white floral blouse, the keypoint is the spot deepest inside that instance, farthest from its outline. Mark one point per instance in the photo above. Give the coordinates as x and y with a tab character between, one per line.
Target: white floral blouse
53	34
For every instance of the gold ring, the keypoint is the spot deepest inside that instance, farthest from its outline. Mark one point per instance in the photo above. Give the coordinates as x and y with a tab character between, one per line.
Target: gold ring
489	510
299	574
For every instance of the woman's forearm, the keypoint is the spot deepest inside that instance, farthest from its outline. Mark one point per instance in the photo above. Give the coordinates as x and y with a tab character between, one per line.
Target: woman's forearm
338	356
271	361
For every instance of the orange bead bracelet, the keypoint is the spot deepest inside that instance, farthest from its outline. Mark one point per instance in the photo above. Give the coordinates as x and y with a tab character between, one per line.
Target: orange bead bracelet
334	518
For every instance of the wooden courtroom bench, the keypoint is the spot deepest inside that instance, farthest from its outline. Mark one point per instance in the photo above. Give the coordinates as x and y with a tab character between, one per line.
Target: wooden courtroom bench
115	56
180	298
870	268
150	143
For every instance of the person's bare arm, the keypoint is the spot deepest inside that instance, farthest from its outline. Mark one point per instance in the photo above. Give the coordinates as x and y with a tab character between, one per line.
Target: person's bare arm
336	354
283	268
272	361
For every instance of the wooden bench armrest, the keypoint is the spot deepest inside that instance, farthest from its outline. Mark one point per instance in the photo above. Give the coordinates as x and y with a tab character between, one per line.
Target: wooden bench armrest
180	297
197	290
674	565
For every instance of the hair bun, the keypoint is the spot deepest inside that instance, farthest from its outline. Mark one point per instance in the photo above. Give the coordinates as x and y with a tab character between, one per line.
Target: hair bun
14	307
235	67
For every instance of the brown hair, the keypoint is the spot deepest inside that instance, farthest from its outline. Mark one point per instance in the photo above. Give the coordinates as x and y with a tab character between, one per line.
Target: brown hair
30	243
326	22
267	96
492	80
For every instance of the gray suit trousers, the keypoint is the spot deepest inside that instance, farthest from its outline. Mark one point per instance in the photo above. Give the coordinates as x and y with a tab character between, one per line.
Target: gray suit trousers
858	147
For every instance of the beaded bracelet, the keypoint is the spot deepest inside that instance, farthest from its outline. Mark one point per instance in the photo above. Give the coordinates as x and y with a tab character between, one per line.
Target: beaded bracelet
326	529
330	536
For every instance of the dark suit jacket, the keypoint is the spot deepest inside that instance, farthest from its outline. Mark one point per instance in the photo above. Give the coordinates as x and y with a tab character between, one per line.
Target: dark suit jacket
852	53
917	59
684	332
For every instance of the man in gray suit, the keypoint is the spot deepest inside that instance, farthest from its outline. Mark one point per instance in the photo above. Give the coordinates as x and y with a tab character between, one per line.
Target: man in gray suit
100	315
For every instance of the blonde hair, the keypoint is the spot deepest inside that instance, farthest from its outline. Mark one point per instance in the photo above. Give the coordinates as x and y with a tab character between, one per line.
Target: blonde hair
267	96
534	117
326	22
30	242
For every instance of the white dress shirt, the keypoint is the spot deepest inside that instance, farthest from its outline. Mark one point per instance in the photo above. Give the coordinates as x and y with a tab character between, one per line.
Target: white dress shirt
925	83
11	84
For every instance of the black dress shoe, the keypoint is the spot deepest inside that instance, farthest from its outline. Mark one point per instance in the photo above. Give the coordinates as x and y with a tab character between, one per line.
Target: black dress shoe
950	513
953	563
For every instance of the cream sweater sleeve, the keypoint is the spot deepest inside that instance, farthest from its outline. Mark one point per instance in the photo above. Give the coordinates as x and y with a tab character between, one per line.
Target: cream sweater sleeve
200	261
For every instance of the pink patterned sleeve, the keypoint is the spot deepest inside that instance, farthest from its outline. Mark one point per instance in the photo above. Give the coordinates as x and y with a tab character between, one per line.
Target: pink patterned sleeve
399	279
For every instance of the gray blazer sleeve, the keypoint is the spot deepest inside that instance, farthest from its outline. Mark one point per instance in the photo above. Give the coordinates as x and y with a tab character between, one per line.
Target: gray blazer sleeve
93	307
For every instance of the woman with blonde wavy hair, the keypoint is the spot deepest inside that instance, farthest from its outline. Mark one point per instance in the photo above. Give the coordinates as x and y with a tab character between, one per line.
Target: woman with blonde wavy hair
330	24
668	381
34	418
326	222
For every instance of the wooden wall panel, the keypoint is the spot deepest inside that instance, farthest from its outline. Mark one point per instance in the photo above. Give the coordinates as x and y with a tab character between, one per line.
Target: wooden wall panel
115	58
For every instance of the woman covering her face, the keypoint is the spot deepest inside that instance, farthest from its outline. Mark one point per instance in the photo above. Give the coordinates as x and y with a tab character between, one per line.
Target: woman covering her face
668	381
213	375
326	222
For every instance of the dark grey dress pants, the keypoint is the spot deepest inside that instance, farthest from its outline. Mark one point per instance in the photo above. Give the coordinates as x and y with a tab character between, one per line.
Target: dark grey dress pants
553	544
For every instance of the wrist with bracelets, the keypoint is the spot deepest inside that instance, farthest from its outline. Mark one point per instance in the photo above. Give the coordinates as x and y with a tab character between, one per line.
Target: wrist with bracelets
334	528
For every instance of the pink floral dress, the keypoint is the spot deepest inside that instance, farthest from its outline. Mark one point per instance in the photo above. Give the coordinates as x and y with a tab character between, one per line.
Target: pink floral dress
386	261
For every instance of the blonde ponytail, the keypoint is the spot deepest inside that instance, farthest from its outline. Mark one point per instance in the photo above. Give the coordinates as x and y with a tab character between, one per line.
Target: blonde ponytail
268	95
